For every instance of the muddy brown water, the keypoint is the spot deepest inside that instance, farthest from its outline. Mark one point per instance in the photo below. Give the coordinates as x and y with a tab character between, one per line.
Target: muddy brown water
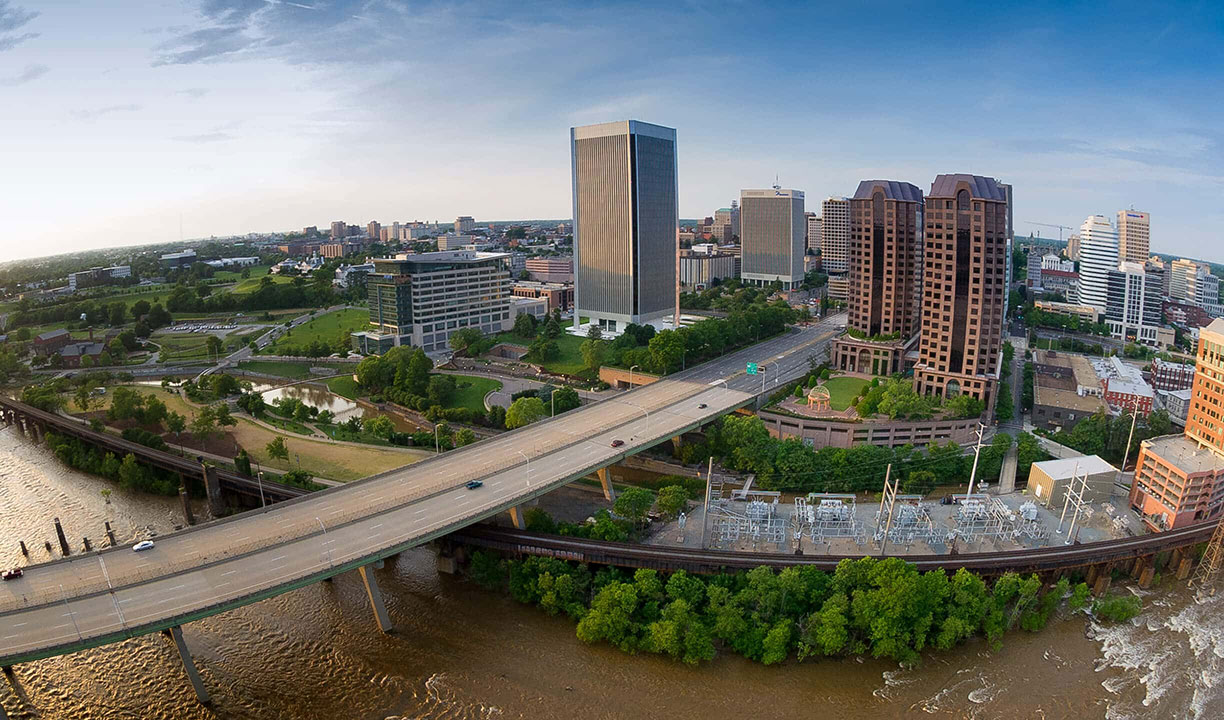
461	652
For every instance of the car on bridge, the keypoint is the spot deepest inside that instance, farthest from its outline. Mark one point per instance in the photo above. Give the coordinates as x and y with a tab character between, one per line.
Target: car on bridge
11	574
473	484
143	545
617	443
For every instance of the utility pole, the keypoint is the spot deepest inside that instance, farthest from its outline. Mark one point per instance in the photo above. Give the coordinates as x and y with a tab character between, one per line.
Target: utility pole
977	452
1129	437
705	514
890	494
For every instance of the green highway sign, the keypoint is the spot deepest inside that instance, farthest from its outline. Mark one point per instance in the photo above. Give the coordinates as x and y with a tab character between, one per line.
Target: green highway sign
752	368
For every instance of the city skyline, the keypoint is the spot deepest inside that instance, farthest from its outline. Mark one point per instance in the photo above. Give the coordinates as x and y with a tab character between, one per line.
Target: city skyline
233	117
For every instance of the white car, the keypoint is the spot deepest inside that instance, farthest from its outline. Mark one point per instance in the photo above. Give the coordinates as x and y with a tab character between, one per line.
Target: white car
143	545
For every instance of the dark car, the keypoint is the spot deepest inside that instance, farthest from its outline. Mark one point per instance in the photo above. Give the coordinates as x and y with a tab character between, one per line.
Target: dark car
617	443
702	406
473	484
11	574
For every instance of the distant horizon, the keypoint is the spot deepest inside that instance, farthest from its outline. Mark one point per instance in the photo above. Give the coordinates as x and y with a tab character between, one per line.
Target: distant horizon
218	116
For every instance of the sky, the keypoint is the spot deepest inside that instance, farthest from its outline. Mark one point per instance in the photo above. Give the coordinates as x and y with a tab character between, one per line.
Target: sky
127	122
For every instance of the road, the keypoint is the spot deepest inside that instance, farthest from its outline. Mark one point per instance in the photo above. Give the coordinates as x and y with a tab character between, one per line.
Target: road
97	598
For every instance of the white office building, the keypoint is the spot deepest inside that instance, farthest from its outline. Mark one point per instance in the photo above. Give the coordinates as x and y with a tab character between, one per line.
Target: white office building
814	226
773	237
1098	255
835	235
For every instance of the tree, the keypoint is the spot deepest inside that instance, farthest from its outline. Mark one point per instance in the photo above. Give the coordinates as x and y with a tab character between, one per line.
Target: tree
278	449
673	499
117	314
592	350
1004	405
440	389
222	416
497	416
214	346
666	351
417	376
131	474
524	411
633	504
552	326
920	482
176	424
85	399
465	436
525	325
379	425
204	424
301	412
464	338
563	399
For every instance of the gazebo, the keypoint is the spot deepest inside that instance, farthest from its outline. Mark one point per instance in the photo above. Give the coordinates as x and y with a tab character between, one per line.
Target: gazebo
818	398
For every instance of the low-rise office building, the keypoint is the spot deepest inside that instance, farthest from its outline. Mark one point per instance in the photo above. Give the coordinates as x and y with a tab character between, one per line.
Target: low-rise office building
699	269
1171	375
1066	390
421	299
95	277
1061	282
1176	403
551	269
556	296
1086	313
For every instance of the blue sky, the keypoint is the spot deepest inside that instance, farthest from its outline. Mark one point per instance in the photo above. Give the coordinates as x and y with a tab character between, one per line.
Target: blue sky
120	118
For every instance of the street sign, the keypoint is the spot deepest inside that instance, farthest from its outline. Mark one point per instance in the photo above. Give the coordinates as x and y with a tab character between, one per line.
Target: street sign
752	368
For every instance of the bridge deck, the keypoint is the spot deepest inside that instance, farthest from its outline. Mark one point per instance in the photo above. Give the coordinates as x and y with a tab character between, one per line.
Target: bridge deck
97	598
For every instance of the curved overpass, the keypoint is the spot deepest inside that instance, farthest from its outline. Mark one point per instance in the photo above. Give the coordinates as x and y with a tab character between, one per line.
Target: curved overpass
97	598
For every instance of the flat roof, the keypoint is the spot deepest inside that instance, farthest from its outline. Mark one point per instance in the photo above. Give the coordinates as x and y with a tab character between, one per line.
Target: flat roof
1065	468
1184	453
1068	399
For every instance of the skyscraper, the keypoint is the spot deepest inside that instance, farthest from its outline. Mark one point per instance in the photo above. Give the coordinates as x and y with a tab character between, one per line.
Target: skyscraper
1098	254
964	287
813	231
835	235
772	241
1073	248
885	277
626	223
374	230
1134	233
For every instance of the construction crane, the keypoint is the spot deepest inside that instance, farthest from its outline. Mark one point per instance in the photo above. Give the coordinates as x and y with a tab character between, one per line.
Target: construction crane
1060	227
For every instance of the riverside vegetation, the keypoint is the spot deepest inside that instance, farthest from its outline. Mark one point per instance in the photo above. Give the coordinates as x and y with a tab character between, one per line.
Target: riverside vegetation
883	608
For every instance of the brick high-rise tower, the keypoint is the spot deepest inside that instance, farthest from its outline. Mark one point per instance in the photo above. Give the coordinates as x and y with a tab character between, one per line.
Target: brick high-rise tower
964	287
885	277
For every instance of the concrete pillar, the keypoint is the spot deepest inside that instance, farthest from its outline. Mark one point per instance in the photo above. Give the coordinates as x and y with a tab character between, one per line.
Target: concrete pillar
606	482
63	540
1145	578
1184	567
216	504
176	633
677	441
1093	572
516	517
1102	584
376	601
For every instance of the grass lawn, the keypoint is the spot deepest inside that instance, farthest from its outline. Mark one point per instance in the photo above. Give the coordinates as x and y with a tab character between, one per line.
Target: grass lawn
286	424
344	386
472	396
843	391
173	401
569	362
192	346
337	462
325	328
251	284
256	271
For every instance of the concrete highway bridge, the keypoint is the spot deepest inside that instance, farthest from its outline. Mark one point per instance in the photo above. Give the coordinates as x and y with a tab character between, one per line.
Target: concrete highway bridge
107	596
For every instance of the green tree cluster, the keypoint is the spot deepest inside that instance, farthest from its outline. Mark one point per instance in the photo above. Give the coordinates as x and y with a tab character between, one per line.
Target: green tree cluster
883	608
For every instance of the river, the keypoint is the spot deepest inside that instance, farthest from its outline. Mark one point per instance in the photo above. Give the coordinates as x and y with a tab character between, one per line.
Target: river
461	652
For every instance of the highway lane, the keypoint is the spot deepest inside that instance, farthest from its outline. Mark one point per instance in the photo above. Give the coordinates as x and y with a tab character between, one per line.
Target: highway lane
220	564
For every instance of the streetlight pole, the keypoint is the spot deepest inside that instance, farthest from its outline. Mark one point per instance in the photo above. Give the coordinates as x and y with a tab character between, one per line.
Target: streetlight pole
330	562
631	375
262	502
976	453
437	443
520	452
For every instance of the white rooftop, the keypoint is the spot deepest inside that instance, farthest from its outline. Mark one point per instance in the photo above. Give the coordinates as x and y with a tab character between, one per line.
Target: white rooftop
1065	468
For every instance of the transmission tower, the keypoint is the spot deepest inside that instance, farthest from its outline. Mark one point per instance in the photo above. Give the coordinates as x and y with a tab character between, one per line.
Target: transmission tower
1213	559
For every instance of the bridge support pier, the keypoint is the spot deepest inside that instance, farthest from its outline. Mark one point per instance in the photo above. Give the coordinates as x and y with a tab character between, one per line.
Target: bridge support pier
176	634
677	441
376	601
1184	566
516	517
606	482
216	503
1145	578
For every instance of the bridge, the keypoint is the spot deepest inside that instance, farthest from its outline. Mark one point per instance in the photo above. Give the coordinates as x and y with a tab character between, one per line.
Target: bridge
97	598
